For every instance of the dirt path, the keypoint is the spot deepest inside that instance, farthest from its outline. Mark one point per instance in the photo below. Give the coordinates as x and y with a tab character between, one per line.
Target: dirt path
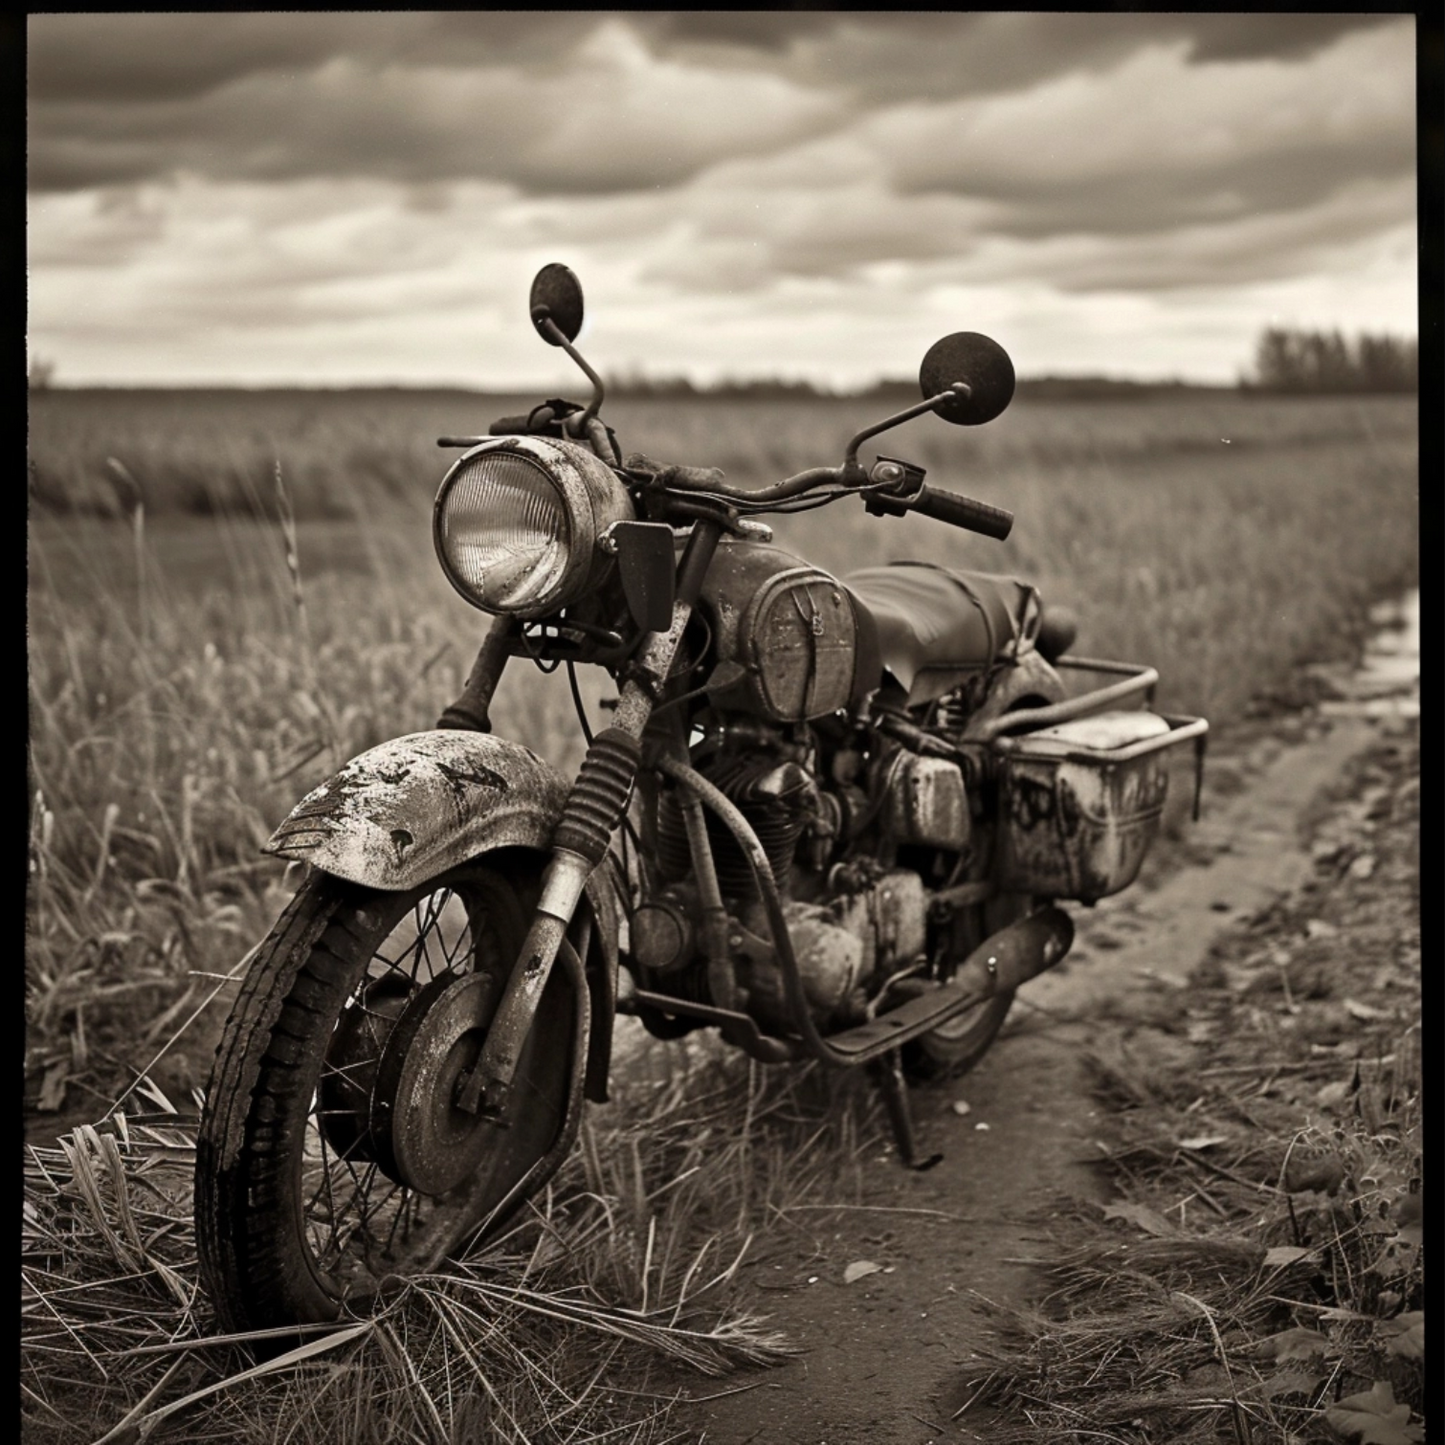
887	1359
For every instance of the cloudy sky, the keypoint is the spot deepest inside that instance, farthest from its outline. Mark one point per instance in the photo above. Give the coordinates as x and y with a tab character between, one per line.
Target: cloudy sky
329	198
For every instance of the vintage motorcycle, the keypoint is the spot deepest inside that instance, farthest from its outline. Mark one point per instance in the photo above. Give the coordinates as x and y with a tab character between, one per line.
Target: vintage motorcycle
830	818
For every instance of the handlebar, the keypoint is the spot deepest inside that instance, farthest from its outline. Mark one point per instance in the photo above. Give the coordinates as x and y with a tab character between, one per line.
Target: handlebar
891	488
712	482
892	493
963	512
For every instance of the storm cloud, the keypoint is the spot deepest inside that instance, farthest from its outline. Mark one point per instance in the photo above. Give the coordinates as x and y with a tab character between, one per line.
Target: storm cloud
581	102
318	166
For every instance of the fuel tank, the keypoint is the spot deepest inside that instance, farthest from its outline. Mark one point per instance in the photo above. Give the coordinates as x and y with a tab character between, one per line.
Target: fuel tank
806	645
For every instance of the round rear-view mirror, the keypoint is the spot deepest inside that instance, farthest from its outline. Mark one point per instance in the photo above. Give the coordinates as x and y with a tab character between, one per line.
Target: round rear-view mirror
978	361
557	295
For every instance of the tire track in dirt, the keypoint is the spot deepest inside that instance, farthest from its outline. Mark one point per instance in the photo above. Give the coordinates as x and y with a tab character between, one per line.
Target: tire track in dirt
888	1359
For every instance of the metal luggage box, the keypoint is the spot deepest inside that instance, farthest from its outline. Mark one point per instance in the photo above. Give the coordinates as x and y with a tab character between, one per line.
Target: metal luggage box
1080	802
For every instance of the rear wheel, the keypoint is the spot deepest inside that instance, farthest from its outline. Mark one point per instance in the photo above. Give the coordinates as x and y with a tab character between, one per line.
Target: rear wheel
955	1047
332	1156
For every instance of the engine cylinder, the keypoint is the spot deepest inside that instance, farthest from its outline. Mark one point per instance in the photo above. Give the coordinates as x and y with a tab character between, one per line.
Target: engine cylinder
775	800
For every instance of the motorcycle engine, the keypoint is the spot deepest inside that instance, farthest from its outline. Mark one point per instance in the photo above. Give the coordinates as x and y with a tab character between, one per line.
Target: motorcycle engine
851	919
771	789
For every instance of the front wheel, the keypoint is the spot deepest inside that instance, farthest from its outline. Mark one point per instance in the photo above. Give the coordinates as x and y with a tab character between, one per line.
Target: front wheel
332	1155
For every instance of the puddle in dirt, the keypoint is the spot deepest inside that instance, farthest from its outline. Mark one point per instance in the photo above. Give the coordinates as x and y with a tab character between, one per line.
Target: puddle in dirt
1387	682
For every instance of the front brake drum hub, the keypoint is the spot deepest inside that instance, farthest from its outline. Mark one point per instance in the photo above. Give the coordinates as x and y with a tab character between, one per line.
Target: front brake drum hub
423	1140
348	1080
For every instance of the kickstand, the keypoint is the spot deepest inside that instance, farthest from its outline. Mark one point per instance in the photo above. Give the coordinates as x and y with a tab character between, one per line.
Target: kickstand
894	1088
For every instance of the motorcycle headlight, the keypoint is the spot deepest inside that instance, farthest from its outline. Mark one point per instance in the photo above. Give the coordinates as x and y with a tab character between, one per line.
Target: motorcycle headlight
517	520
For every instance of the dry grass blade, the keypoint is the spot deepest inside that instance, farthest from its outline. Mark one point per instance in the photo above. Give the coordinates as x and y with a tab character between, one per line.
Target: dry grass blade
1223	1354
143	1082
81	1150
713	1352
131	1421
216	1342
146	1423
48	1304
397	1352
692	1269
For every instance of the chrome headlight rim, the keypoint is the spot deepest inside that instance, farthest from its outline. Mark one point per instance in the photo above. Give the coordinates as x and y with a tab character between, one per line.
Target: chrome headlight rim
591	498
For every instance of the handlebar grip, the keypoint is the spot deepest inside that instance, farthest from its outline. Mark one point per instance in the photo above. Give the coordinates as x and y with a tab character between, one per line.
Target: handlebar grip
963	512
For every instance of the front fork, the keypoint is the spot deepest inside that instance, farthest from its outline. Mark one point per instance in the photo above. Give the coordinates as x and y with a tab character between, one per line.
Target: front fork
593	809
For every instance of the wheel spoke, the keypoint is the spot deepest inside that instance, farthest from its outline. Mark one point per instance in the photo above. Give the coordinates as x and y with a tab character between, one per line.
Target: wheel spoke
408	1208
325	1184
332	1242
461	948
435	902
432	931
366	1209
341	1071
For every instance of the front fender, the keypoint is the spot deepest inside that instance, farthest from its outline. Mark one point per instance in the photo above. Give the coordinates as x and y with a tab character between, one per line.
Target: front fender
416	806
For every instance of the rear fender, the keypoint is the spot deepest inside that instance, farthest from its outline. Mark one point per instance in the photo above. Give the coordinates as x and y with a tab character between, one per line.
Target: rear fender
1031	682
417	806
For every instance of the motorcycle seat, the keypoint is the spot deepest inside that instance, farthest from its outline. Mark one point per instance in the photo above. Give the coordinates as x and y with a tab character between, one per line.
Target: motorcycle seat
936	625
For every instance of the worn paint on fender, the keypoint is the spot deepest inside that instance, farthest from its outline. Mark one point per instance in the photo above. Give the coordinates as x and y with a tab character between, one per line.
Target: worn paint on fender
416	806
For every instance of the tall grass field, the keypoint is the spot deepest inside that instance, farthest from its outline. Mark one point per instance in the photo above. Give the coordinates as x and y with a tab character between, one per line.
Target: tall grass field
232	593
229	594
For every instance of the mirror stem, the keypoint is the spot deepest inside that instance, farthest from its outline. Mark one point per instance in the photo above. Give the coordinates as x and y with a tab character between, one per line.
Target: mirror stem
559	339
917	409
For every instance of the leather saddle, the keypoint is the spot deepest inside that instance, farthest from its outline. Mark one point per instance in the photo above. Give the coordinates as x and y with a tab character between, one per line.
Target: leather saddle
938	626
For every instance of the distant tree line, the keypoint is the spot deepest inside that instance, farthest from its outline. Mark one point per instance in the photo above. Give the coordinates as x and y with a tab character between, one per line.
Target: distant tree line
1292	360
896	392
1287	360
682	388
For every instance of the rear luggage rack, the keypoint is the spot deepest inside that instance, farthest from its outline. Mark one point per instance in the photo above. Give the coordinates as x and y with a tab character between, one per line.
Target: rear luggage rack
1135	680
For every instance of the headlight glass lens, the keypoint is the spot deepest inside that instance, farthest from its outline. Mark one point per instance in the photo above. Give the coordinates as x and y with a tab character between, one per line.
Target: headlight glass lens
504	533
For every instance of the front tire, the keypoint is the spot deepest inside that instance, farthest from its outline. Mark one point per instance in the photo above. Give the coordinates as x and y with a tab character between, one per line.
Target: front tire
363	1009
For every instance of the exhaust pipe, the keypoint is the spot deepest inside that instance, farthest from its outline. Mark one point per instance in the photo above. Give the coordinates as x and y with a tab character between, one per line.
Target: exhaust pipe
1014	955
